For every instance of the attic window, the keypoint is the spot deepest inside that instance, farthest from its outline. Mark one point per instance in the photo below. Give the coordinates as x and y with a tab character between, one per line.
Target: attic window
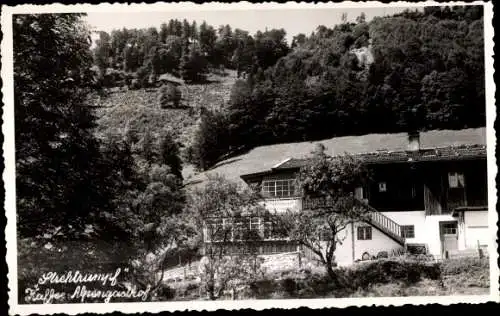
382	187
456	180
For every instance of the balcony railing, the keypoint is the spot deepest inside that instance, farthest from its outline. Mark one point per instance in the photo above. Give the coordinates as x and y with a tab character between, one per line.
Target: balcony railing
375	218
244	229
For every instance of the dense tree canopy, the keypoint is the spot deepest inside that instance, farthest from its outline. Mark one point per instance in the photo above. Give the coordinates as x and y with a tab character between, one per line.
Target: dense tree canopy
415	70
57	157
185	49
69	181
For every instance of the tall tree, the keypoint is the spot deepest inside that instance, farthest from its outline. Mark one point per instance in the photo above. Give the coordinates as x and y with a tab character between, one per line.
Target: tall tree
207	40
193	65
210	140
169	154
163	32
222	214
333	180
103	52
61	175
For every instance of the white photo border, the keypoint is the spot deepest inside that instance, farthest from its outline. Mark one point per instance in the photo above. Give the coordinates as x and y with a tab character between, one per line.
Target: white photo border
154	307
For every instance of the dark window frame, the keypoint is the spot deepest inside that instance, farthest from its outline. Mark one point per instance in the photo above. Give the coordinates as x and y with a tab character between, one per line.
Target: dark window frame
364	233
408	231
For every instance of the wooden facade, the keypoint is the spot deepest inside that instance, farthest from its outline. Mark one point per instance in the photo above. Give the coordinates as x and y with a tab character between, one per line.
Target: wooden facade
436	187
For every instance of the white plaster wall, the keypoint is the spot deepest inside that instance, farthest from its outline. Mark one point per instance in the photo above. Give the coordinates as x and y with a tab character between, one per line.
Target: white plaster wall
416	218
461	232
431	227
379	242
476	228
282	205
343	253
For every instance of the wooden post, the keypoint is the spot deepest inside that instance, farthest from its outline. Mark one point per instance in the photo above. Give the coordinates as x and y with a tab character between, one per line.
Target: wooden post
300	257
479	250
353	241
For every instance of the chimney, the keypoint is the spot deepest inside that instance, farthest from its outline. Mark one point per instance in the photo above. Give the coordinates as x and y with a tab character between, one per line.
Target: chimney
413	141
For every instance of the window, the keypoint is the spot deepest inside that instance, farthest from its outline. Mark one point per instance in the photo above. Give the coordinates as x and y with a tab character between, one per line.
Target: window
364	233
268	230
255	224
382	186
361	193
279	188
456	180
239	229
408	231
450	229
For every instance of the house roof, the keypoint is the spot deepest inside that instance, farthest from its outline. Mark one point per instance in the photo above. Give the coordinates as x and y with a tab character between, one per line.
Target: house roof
380	146
433	154
170	78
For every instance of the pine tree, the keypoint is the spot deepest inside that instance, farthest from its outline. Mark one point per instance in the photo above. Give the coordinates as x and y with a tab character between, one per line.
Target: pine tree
169	154
193	65
61	176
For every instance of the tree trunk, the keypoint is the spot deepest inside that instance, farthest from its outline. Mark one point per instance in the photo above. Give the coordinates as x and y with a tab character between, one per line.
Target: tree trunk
211	291
331	273
330	263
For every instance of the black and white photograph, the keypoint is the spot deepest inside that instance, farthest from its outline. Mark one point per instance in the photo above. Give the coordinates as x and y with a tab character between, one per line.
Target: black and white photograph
208	156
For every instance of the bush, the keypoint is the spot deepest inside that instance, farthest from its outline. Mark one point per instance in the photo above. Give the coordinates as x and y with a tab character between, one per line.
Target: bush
463	273
386	271
464	265
165	292
170	96
382	254
263	288
289	286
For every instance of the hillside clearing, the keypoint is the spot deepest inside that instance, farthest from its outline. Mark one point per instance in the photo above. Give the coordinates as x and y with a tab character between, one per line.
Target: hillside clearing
139	110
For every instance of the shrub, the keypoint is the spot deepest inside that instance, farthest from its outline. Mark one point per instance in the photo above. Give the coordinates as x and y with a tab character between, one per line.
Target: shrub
170	96
289	286
385	271
464	265
263	288
165	292
383	254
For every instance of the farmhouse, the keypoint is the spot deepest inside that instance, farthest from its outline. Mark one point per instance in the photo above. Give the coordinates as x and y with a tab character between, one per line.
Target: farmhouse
428	190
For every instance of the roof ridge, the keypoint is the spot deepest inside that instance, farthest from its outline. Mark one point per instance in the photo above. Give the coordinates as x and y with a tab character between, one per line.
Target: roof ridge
282	162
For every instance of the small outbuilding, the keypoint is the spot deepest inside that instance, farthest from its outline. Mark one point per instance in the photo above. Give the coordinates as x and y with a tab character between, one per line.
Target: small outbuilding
169	78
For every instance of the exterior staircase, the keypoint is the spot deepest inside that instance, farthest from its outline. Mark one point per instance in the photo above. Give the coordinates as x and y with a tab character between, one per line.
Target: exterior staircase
385	225
375	218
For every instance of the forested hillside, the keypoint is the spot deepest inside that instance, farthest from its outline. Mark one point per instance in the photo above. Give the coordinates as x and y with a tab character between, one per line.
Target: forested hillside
421	70
415	70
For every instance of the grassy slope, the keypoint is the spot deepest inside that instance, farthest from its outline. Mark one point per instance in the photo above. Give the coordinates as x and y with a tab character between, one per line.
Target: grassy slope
140	110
